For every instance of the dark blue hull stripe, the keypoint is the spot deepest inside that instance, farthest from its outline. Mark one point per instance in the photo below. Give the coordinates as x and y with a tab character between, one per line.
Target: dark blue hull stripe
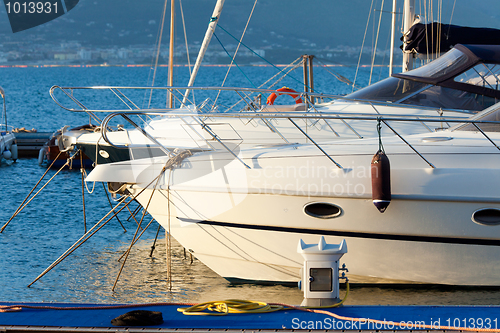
406	238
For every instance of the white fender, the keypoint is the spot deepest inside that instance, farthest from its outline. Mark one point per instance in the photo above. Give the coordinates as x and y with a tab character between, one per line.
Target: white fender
41	155
7	154
14	151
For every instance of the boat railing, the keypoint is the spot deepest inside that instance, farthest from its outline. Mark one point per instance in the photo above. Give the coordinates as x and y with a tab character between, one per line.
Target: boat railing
127	100
199	118
251	97
388	120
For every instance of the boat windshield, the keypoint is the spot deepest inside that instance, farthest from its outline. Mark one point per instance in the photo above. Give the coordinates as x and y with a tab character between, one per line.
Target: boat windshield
493	114
408	88
395	90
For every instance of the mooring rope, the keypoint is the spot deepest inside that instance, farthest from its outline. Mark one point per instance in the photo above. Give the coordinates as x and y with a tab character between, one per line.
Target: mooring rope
32	190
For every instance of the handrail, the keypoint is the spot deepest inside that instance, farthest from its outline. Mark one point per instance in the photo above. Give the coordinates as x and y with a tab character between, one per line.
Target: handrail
319	115
253	106
234	89
167	151
296	115
146	134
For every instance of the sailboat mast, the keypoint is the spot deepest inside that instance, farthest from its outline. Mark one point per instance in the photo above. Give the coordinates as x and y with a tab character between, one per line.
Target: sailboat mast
409	17
170	101
204	45
393	35
2	93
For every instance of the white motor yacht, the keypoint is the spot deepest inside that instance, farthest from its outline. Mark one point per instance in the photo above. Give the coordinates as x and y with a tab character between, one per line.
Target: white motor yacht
243	216
242	210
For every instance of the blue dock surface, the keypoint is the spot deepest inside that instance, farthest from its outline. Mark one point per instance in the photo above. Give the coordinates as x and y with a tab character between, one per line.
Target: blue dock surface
97	318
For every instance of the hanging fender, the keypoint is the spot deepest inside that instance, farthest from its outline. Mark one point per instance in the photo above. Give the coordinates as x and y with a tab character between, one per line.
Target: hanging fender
41	155
284	91
381	181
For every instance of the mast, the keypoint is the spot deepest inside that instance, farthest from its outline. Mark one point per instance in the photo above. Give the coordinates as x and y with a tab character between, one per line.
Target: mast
393	33
204	45
171	55
305	57
311	78
409	16
2	93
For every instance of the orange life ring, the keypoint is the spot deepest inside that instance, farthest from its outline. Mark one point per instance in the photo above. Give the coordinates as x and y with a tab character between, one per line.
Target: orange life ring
284	91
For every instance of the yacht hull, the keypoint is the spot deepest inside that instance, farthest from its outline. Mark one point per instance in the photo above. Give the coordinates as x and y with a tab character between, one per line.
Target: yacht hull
419	241
441	227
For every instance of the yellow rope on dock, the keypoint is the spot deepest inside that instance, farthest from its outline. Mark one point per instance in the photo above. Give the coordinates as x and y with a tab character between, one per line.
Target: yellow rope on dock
222	308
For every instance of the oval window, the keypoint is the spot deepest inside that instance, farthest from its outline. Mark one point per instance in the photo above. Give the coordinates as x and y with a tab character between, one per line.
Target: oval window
487	216
104	153
322	210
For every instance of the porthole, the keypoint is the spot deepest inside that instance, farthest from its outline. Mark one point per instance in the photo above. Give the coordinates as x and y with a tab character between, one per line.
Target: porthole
104	153
322	210
487	216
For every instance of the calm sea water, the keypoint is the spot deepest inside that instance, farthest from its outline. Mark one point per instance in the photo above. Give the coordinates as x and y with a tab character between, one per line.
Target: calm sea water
54	220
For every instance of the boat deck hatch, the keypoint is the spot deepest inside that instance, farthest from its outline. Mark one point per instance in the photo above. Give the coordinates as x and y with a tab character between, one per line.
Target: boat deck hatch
487	216
322	210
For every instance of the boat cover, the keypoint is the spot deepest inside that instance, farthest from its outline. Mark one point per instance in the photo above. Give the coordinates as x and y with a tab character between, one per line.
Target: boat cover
437	37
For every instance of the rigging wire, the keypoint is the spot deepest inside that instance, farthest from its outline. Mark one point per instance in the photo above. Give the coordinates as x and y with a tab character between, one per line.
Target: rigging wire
185	37
158	51
431	19
376	42
440	16
236	52
362	46
451	17
294	65
383	59
338	76
225	50
258	55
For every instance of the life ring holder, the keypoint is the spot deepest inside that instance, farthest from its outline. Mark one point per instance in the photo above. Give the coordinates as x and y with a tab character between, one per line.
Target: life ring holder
284	91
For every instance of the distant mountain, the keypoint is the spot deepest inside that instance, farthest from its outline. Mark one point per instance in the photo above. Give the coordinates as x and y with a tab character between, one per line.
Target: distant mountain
279	24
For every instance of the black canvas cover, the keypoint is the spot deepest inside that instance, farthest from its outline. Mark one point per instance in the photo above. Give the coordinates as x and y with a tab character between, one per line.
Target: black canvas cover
436	37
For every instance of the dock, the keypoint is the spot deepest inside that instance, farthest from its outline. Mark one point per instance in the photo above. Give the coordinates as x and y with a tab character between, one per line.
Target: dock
29	143
65	317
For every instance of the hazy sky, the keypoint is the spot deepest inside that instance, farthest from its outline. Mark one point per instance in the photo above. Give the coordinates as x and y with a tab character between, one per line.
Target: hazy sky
290	22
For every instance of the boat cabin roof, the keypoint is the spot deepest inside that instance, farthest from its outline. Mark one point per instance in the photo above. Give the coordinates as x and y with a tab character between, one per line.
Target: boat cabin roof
467	77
